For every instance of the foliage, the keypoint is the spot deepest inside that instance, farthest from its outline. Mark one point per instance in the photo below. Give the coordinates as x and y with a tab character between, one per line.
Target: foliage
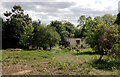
70	28
118	19
108	19
17	12
102	38
84	24
68	48
77	33
64	29
115	51
102	33
53	37
44	36
98	20
11	33
13	26
61	47
39	36
27	36
72	35
60	29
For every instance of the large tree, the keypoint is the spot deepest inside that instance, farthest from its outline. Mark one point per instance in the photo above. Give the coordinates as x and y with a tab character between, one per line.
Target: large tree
102	38
70	28
60	29
11	33
17	12
40	35
13	27
44	36
84	24
27	37
116	48
53	37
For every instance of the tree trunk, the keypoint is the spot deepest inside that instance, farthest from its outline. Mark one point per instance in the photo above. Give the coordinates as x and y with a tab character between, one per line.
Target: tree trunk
44	47
50	47
99	59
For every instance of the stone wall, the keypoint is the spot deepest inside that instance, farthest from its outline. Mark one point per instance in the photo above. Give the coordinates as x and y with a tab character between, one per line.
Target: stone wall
73	42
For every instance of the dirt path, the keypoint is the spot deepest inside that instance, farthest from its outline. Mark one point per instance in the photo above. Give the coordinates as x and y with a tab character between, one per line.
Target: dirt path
22	72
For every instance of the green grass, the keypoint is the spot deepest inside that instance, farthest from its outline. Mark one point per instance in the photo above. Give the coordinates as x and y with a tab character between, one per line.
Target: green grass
56	62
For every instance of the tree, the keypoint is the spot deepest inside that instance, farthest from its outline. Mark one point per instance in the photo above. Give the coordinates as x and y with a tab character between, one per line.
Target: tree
17	12
108	19
27	37
60	29
70	28
116	48
77	33
35	41
84	24
102	38
44	36
13	27
98	20
72	35
53	37
117	21
40	35
81	21
11	33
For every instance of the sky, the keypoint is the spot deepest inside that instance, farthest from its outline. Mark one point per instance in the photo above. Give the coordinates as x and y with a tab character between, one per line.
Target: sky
69	10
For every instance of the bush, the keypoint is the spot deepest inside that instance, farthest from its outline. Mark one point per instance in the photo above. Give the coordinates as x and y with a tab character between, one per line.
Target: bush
61	47
74	47
78	50
69	48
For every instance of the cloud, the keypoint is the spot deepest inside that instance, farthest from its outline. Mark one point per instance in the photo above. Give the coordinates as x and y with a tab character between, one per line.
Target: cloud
39	6
69	10
91	12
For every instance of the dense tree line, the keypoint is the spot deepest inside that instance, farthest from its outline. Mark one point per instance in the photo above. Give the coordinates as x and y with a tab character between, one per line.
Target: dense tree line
19	31
102	32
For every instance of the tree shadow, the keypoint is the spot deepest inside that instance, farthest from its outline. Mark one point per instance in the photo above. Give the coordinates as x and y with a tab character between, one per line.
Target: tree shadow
85	53
105	65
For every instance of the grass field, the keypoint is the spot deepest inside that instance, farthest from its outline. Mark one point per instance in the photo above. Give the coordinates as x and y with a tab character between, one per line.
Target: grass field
55	62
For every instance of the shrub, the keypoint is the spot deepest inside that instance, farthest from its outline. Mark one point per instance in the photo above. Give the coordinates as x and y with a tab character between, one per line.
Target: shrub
69	48
78	50
74	47
61	47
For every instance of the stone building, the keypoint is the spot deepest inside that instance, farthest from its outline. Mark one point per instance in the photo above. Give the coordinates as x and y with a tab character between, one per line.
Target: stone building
79	42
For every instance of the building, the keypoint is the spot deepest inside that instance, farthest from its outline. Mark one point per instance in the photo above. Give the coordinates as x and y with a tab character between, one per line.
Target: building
79	42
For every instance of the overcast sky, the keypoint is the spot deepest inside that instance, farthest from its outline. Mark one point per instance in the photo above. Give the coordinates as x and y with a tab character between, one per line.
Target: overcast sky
70	10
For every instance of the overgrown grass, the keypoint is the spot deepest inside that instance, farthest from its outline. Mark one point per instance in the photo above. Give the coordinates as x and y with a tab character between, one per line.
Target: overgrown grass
56	62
